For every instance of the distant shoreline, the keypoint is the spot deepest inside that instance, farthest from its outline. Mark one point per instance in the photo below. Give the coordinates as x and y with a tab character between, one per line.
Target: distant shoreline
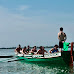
30	47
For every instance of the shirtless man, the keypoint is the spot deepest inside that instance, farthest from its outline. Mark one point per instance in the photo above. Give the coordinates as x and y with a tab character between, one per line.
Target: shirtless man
24	50
28	49
33	50
62	38
18	49
41	50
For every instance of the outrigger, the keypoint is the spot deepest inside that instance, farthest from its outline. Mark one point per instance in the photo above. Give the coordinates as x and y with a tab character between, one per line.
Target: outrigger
65	57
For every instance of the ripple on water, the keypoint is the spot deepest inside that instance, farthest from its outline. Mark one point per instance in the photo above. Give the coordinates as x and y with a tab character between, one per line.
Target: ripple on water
27	68
18	67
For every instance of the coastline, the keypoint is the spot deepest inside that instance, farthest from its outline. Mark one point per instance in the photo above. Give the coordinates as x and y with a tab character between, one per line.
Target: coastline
30	47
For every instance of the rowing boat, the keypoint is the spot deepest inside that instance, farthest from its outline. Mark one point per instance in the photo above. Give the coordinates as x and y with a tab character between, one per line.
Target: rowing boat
51	58
65	57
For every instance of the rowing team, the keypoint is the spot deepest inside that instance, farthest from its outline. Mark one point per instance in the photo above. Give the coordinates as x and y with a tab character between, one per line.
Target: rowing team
27	50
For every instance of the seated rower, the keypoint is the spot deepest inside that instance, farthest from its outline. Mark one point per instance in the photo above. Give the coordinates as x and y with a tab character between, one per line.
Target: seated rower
33	50
28	49
54	49
24	50
41	50
18	49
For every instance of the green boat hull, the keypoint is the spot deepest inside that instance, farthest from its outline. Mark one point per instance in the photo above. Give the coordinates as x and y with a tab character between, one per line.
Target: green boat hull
40	59
47	61
63	59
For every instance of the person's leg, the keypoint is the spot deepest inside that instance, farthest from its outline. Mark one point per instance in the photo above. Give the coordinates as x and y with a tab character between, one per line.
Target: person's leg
60	50
60	46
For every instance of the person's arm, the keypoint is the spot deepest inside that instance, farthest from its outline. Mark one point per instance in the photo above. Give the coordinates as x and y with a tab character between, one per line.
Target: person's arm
65	36
38	52
58	36
22	51
51	50
16	50
45	51
31	50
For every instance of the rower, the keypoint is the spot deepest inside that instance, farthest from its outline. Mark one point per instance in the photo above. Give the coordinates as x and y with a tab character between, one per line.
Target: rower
18	49
28	49
24	50
33	50
41	50
53	50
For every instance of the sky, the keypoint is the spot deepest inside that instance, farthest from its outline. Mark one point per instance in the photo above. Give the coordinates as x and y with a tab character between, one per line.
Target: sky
35	22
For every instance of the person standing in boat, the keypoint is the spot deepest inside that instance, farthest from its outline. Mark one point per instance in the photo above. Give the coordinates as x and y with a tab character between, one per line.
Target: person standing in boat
28	49
62	38
24	50
53	50
33	50
41	50
18	49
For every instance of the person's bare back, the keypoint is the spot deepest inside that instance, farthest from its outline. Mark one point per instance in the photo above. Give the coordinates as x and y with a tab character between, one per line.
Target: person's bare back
62	38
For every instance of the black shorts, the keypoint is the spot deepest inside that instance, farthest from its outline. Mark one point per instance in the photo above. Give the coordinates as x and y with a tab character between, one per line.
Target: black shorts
60	44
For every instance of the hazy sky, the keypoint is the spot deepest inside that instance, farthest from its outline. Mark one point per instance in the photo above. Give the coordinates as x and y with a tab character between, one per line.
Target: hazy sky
35	22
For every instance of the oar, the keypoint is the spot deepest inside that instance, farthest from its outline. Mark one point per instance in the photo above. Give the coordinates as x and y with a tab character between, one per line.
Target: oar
12	59
15	60
6	56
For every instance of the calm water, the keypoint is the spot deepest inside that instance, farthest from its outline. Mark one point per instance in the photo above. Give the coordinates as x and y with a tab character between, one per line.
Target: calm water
21	67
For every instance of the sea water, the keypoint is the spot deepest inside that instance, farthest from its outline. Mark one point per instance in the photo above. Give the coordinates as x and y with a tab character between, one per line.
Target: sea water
22	67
